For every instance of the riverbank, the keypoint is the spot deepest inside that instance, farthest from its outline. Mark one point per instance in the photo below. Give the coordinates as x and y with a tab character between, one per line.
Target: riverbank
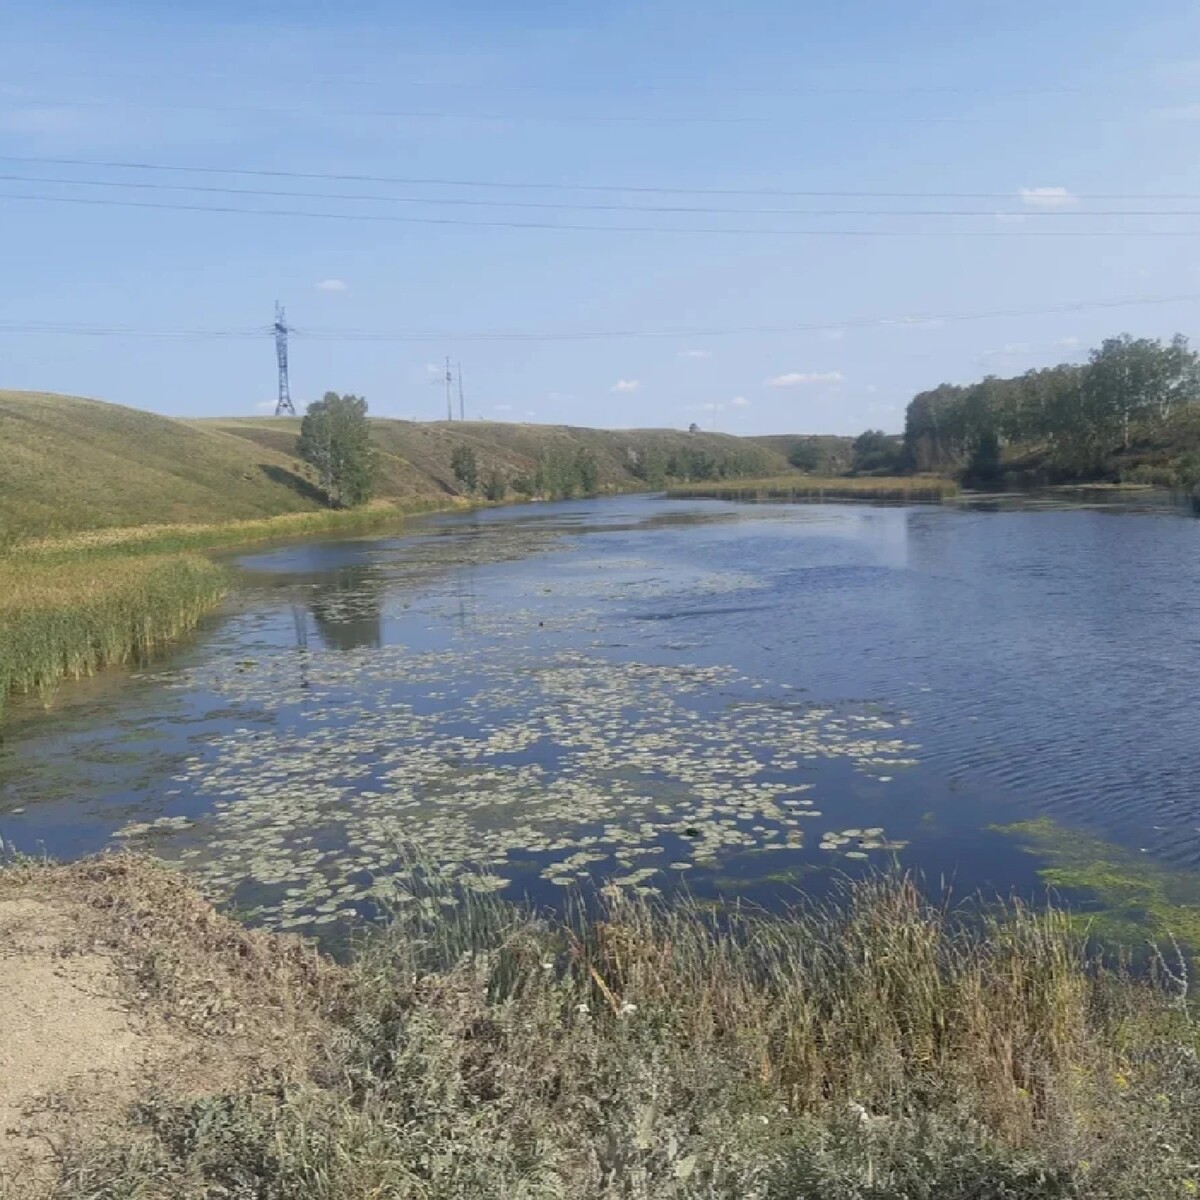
796	488
872	1048
72	605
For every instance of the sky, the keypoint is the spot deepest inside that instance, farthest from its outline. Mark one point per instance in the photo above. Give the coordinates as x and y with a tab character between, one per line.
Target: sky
759	216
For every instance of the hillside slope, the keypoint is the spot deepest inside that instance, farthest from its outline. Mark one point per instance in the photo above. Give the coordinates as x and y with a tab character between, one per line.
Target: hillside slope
415	457
68	464
71	464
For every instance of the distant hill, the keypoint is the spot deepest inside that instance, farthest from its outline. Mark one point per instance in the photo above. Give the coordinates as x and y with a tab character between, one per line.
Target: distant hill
71	464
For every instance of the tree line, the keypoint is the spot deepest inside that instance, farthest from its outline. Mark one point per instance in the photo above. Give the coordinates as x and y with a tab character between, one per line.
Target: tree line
1133	394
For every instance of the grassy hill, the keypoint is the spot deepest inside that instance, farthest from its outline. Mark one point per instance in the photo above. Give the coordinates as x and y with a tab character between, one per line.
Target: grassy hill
70	464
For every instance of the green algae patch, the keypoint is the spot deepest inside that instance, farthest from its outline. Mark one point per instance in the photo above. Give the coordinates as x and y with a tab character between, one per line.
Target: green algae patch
1136	898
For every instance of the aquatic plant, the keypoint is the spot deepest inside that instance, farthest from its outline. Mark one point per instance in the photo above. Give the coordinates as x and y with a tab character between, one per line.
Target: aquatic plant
67	618
1129	897
792	488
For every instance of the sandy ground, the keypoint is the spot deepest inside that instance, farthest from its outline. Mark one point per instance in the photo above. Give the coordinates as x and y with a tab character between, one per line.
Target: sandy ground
118	983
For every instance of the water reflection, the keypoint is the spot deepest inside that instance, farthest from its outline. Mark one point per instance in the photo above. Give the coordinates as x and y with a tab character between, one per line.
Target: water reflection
348	608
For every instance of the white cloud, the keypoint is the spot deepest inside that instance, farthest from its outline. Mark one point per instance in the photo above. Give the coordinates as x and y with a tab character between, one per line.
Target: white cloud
871	389
831	335
434	369
265	406
529	412
333	285
1048	197
1067	341
799	378
626	385
740	402
503	407
695	354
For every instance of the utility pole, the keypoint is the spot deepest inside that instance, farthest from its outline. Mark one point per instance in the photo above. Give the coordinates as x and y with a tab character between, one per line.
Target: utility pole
462	407
283	405
449	397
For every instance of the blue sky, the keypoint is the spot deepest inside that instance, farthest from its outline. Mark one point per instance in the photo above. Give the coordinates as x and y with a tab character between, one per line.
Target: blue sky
1034	107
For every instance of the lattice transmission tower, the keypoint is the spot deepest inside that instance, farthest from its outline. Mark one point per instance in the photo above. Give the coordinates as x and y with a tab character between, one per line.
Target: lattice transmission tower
283	406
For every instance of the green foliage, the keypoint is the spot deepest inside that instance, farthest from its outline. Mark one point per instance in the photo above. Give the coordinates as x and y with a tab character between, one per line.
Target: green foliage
465	465
335	439
1131	389
878	453
496	486
1187	473
805	456
587	471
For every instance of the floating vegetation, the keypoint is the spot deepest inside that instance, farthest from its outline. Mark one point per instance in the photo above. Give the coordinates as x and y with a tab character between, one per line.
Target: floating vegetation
1134	898
585	767
860	842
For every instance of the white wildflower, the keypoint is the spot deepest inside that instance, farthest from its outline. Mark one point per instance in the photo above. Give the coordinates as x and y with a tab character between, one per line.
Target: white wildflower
627	1009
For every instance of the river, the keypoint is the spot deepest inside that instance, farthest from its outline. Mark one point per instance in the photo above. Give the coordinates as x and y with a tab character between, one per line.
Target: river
754	700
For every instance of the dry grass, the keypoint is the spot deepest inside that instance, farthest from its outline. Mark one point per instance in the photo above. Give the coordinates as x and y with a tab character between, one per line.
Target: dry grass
872	1049
792	488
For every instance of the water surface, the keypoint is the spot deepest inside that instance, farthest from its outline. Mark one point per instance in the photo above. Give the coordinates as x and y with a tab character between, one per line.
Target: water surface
640	692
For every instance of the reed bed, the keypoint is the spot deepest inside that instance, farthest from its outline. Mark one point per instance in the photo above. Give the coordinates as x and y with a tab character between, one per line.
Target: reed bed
70	616
874	1048
160	539
801	488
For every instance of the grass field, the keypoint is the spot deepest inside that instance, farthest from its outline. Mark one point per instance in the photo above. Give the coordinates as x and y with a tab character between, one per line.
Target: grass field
876	1048
797	487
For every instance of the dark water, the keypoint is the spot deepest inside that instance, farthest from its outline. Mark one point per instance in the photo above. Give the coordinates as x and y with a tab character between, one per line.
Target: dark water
751	698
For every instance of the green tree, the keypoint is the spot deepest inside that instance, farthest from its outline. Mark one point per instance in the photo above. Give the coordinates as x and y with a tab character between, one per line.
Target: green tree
805	456
878	453
587	471
465	466
335	438
496	487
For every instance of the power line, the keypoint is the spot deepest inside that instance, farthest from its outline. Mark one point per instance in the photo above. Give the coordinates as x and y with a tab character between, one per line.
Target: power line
582	227
625	88
364	335
540	205
542	185
551	118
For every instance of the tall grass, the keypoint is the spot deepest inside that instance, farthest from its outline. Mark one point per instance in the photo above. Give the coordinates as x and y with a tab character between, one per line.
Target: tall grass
71	605
162	539
69	617
794	488
875	1048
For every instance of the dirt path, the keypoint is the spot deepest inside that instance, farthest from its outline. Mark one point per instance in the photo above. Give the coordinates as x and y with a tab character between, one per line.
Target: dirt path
117	982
